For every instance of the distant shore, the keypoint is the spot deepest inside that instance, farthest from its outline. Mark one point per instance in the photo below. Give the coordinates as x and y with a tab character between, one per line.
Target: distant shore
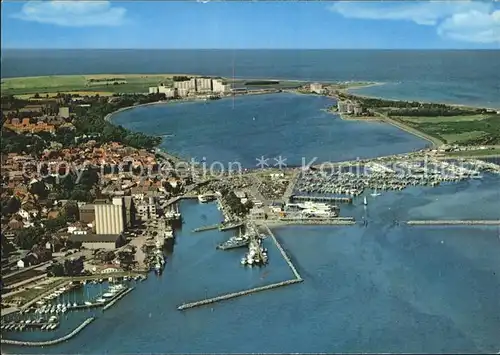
352	91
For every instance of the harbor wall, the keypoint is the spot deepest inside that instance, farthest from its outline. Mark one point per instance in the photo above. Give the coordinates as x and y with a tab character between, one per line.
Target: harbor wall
236	294
454	222
50	342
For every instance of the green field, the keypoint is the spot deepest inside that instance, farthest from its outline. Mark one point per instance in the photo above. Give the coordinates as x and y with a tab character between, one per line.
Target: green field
476	153
472	129
135	83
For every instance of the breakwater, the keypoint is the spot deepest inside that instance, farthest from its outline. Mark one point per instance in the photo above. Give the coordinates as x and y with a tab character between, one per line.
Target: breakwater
206	228
454	222
117	298
227	296
50	342
284	254
236	294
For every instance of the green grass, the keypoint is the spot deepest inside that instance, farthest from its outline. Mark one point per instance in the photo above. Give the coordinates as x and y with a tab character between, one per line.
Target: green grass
467	130
462	137
444	119
136	83
478	153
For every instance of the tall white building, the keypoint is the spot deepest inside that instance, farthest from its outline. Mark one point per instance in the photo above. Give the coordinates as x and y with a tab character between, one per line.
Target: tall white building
109	218
169	92
220	87
203	84
317	88
187	84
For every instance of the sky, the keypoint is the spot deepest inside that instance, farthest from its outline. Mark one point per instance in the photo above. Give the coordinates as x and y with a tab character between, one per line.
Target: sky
452	24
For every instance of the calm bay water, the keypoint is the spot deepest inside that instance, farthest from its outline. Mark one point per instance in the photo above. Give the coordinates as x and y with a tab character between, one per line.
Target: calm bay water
380	288
246	128
383	288
462	77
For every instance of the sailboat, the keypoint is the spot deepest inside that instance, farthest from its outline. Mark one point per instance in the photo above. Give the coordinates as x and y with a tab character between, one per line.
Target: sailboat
365	202
375	193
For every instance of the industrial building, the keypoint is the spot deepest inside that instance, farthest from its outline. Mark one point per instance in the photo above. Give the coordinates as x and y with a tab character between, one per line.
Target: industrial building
110	218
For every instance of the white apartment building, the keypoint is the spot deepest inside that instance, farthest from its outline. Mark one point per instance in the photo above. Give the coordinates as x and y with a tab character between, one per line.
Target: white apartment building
317	88
203	84
219	87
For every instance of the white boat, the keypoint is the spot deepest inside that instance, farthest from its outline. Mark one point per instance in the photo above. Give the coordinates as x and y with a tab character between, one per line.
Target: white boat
365	202
87	303
375	193
100	300
205	198
108	295
243	261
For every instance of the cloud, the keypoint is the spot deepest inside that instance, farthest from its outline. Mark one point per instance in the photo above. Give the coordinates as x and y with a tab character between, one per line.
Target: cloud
473	26
472	21
74	13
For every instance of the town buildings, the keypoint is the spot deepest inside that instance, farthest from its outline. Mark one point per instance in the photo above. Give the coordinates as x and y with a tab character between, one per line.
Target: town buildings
317	88
192	86
349	107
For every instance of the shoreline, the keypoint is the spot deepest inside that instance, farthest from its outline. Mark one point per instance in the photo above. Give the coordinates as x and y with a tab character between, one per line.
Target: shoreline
349	91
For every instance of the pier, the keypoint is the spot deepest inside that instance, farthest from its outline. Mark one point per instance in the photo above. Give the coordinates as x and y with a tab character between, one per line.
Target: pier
117	298
454	223
328	199
232	225
206	228
338	221
227	296
236	294
284	254
50	342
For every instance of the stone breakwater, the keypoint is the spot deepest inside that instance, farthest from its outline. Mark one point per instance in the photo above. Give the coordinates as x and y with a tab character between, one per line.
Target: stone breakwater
50	342
284	254
454	222
227	296
110	304
237	294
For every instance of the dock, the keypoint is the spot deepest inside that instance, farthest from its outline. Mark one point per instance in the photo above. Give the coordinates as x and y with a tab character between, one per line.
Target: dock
206	228
50	342
231	295
117	298
454	222
236	294
328	199
232	225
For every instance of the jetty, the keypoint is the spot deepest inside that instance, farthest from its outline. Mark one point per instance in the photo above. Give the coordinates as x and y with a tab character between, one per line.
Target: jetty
117	298
50	342
236	294
284	254
338	221
231	225
206	228
454	222
227	296
328	199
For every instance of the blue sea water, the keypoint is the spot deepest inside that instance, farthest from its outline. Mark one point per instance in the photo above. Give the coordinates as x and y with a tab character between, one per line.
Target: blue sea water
243	129
383	288
455	76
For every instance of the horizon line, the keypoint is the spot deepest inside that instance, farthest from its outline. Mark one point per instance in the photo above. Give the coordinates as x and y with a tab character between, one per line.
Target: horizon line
259	49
